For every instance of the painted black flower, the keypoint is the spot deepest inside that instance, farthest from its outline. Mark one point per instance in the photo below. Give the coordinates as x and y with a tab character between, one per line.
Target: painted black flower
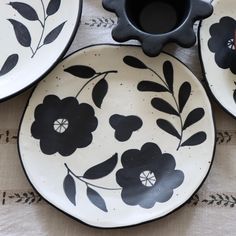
63	125
124	126
222	43
148	176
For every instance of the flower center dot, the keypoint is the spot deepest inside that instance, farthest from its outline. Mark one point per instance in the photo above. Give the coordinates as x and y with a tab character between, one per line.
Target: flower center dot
148	178
61	125
231	44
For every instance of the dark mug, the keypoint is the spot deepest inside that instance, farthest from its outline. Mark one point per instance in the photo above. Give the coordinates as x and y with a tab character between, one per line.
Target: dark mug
156	22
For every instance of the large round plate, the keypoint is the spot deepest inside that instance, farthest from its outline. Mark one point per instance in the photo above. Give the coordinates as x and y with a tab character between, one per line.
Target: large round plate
218	52
115	138
34	36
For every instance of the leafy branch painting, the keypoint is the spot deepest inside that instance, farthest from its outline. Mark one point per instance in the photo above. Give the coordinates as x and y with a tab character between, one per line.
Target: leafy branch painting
167	86
96	172
23	34
88	73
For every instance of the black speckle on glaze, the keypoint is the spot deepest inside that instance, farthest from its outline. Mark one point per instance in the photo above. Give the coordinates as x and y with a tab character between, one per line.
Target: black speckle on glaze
124	126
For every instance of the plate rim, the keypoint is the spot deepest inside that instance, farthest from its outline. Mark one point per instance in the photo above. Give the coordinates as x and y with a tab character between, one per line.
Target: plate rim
58	60
134	224
220	105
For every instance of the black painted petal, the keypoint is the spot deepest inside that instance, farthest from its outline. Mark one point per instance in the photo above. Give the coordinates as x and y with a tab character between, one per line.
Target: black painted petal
124	126
63	125
148	176
222	43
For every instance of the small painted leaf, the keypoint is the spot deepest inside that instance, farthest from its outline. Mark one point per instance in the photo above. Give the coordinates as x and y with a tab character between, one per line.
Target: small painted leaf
162	105
150	86
233	198
103	169
70	188
52	36
99	92
96	199
184	94
193	117
53	7
21	32
168	127
84	72
169	74
9	64
134	62
25	10
213	197
196	139
226	196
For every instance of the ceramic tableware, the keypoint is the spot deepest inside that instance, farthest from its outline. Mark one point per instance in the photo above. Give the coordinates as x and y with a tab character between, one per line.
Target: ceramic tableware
114	138
156	22
34	36
217	39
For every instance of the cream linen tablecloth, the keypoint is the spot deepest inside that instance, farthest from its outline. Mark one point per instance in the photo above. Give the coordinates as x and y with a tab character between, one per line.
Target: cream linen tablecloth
212	211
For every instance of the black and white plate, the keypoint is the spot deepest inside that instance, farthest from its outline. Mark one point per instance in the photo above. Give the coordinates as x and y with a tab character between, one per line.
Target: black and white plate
218	52
34	36
115	138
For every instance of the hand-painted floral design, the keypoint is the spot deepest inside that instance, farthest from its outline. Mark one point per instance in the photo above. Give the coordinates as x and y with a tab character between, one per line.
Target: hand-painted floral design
179	103
223	43
63	125
148	176
23	34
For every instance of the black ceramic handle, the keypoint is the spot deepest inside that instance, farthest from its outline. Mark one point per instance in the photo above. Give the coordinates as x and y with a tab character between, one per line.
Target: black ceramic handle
157	22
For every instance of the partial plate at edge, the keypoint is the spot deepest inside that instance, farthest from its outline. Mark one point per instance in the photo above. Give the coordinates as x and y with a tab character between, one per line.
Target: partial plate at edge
35	35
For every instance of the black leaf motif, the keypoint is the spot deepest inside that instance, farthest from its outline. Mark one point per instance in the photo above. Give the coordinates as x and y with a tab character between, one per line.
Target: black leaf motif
53	7
52	36
103	169
96	199
162	105
70	188
169	74
168	127
134	62
81	71
9	64
25	10
193	117
195	140
150	86
99	92
21	32
184	94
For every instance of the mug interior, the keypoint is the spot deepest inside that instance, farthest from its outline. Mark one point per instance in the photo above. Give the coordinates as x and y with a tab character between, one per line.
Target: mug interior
157	16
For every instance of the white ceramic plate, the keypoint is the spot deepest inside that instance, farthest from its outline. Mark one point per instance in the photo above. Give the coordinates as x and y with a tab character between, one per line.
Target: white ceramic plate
218	53
115	138
34	36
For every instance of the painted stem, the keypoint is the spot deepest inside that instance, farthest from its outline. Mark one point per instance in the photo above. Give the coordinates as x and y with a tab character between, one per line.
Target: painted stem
95	77
86	182
43	29
176	103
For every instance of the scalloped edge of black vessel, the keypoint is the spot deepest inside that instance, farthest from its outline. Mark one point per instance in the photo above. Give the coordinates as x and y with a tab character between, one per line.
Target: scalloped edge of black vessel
154	23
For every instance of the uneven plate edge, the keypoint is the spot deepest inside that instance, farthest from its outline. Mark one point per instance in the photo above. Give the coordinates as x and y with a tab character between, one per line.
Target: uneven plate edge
59	59
204	72
135	224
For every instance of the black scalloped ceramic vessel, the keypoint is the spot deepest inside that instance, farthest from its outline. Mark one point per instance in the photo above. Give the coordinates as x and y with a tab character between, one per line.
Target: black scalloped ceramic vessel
157	22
